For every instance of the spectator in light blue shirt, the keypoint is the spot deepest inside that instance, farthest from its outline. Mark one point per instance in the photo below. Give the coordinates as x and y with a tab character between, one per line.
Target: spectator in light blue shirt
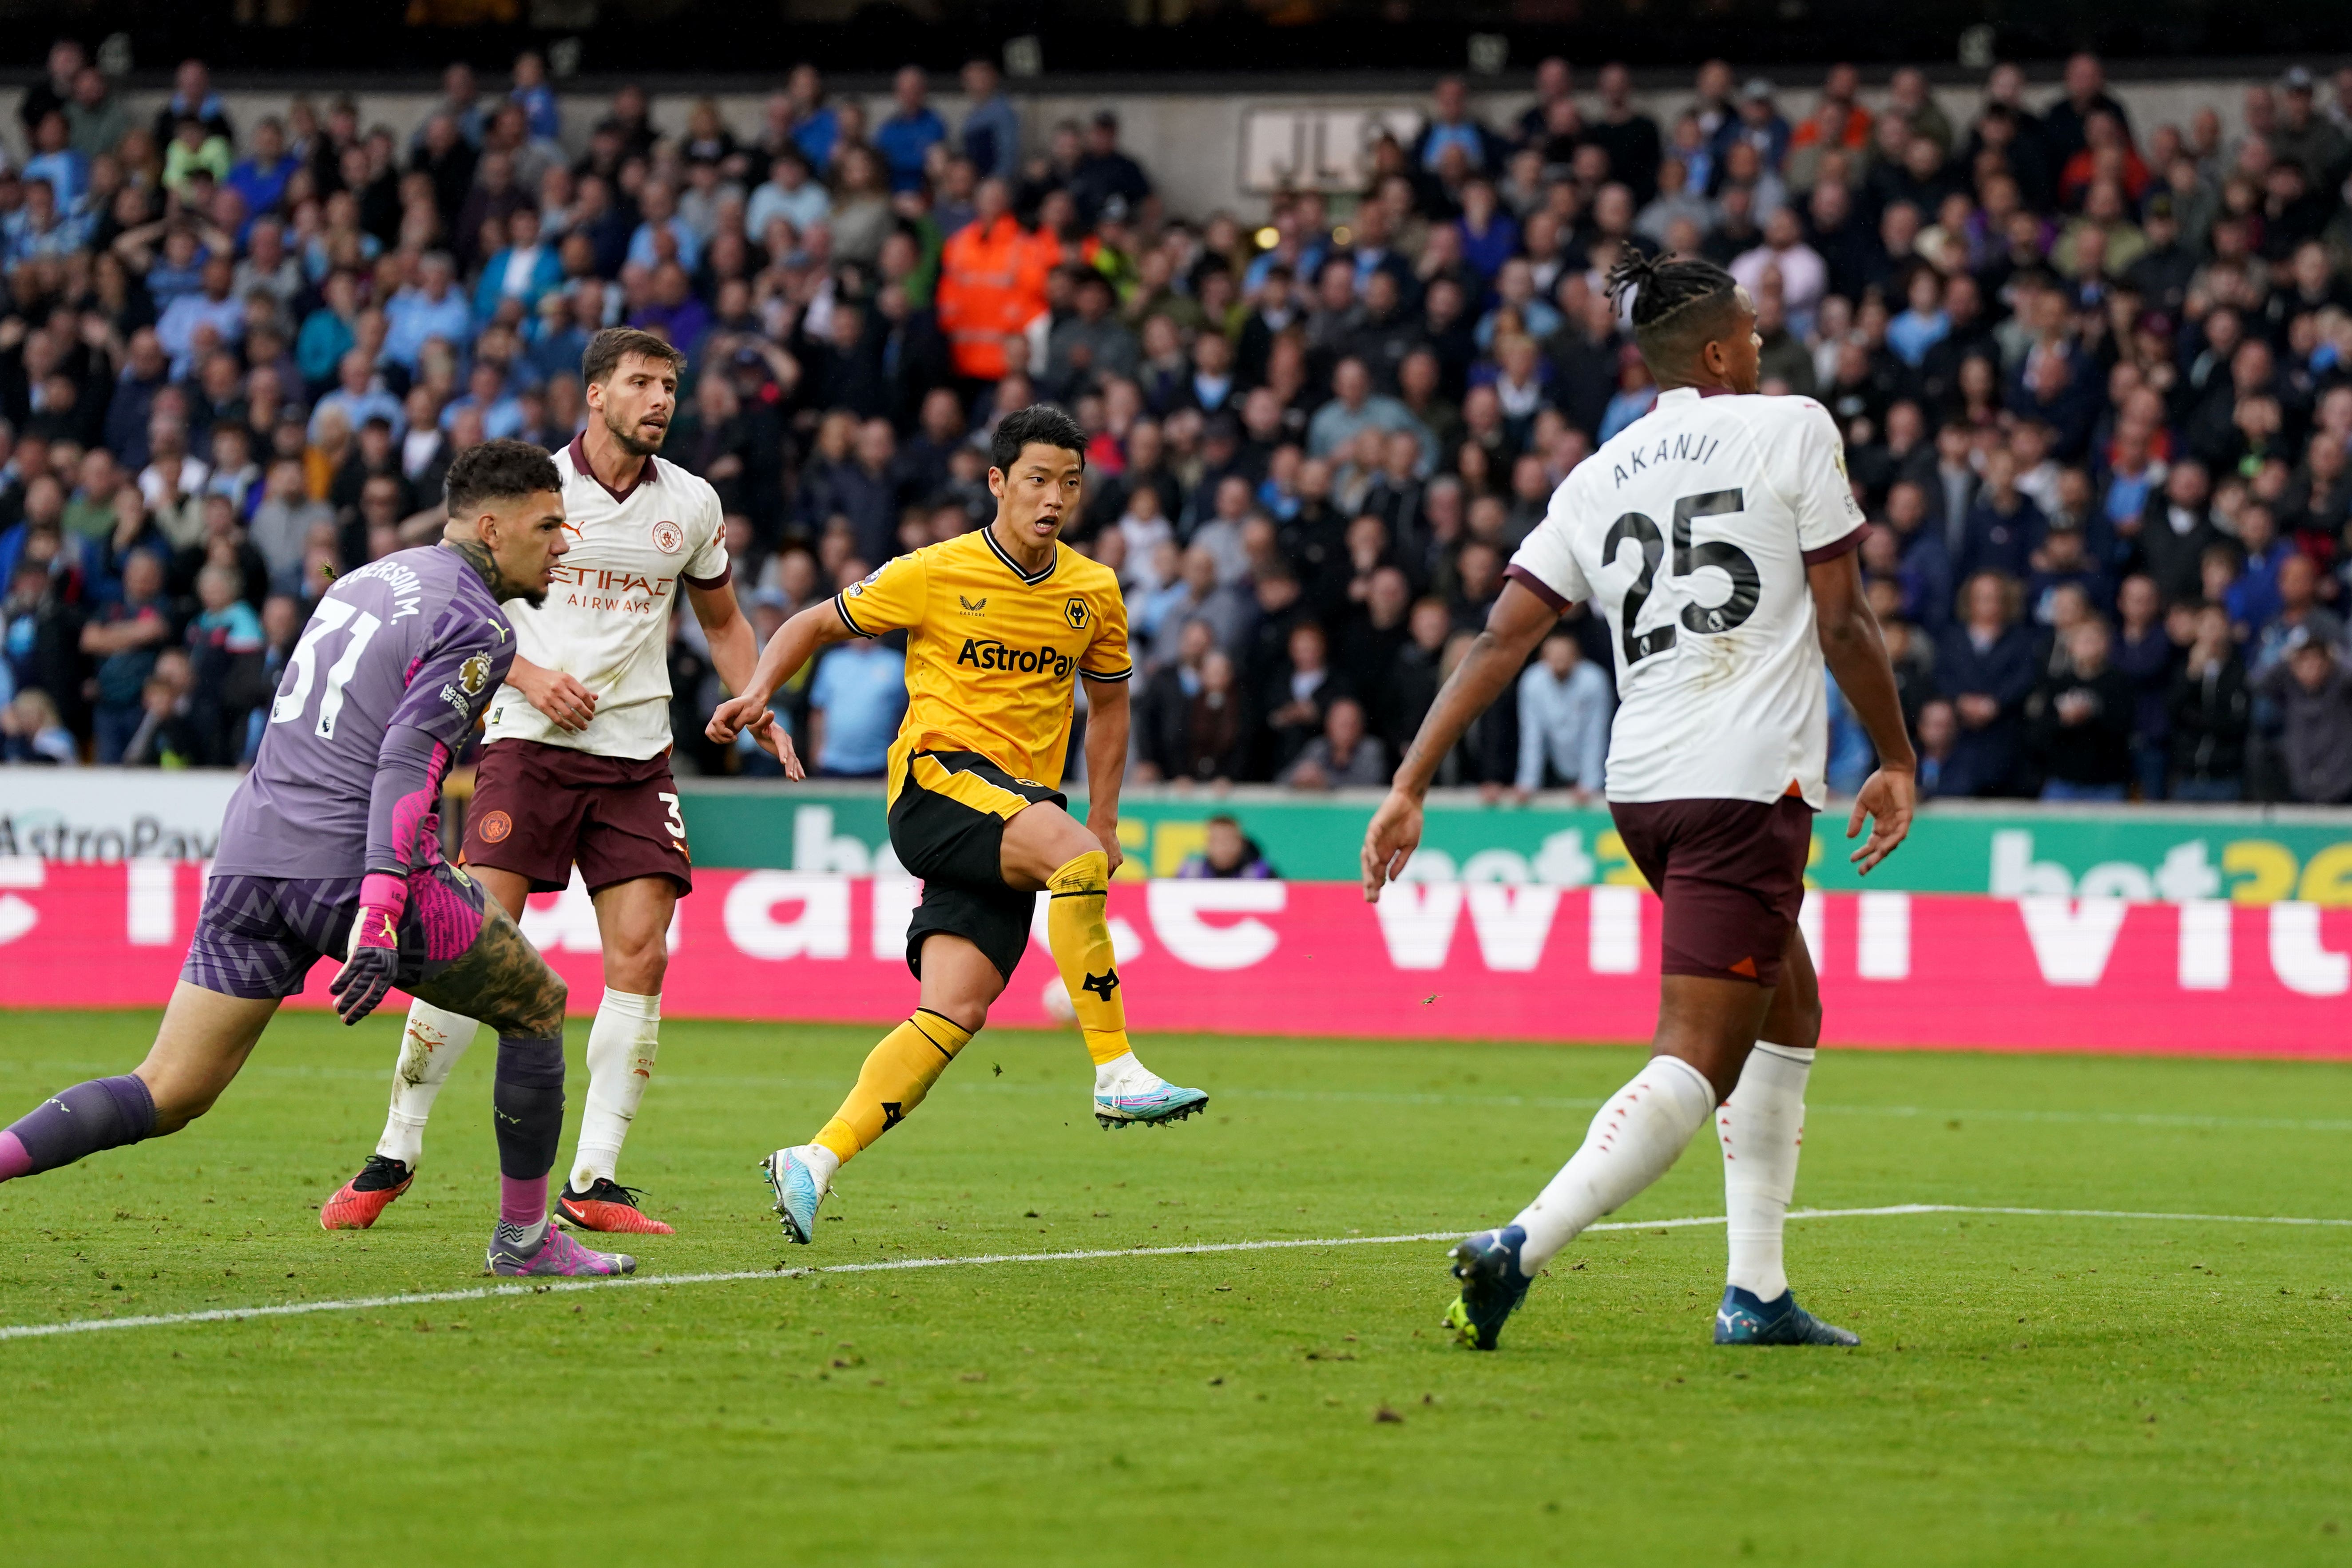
328	332
1564	707
358	396
658	203
180	326
1923	324
789	194
432	306
178	268
540	109
1636	393
525	270
815	127
487	393
913	129
991	130
41	227
561	331
261	178
855	700
1850	755
1354	408
55	160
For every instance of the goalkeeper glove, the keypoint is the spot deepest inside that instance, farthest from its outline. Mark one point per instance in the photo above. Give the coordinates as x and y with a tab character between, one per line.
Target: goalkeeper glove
367	974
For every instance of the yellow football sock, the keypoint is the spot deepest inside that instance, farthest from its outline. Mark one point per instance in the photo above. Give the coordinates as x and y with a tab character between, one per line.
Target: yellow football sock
897	1075
1079	936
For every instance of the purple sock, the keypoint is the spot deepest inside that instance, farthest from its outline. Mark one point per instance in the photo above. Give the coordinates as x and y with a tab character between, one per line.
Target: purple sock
522	1200
76	1122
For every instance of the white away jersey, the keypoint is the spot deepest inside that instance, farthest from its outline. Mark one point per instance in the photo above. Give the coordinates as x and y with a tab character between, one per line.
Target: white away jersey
1690	531
606	620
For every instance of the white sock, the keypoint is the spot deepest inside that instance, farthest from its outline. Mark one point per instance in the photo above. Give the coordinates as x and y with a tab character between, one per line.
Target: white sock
1762	1126
429	1048
621	1047
1125	1075
1635	1139
822	1163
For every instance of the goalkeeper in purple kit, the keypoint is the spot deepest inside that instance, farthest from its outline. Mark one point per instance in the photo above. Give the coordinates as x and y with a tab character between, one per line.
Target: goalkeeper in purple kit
331	848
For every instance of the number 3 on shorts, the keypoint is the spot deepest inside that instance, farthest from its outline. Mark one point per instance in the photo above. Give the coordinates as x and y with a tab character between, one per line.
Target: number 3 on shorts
675	823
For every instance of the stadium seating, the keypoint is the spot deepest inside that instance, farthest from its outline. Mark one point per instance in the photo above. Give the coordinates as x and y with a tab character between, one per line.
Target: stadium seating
2092	373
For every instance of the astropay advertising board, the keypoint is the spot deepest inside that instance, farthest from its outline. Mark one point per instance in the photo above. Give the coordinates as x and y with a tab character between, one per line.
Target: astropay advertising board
1431	960
83	814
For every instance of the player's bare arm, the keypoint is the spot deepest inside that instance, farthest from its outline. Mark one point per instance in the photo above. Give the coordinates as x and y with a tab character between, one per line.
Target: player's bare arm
734	646
1515	629
1856	655
794	645
1108	714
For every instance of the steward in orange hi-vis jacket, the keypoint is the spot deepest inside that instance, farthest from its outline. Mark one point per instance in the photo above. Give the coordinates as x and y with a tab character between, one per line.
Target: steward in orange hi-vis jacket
991	285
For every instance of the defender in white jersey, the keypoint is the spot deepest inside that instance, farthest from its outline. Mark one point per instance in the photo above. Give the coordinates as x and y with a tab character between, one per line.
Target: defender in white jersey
574	769
1719	538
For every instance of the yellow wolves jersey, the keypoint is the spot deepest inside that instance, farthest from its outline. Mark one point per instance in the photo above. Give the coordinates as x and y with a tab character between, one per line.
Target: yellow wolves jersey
993	653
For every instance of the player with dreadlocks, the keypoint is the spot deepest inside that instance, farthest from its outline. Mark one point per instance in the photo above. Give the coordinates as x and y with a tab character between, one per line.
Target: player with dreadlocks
1719	538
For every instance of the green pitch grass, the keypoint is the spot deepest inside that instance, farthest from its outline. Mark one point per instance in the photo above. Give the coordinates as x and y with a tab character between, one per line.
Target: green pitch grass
2030	1389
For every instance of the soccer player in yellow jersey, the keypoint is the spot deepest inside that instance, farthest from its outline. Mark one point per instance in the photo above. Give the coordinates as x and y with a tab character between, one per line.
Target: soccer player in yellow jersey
1001	623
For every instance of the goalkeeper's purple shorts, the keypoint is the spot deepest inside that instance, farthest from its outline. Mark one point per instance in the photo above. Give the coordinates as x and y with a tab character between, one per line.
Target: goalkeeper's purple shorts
258	936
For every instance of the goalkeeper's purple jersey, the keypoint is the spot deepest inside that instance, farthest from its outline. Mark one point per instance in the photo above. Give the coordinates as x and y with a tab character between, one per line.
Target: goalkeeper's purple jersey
415	641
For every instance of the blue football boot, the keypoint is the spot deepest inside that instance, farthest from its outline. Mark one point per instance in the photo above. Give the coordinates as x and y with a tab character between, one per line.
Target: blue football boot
1744	1320
797	1191
1493	1286
1150	1107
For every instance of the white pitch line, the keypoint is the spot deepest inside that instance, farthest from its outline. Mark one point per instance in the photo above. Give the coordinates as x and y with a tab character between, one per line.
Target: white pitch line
900	1265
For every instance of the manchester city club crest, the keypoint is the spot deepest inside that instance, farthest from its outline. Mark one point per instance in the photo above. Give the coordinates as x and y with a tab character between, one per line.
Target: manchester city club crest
668	538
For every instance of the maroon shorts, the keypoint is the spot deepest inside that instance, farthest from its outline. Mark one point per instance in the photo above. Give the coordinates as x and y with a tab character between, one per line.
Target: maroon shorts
1731	875
539	810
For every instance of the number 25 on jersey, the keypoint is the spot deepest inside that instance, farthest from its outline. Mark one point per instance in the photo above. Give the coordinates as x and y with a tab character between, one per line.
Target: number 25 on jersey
1729	558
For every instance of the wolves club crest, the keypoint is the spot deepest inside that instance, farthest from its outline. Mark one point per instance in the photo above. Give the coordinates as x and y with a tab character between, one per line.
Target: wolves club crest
1075	612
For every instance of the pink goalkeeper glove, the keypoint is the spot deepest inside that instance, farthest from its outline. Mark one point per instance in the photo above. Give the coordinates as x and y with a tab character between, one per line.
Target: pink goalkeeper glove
367	974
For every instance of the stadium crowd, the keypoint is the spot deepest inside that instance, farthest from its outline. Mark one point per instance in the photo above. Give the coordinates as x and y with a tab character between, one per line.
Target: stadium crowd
2095	378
